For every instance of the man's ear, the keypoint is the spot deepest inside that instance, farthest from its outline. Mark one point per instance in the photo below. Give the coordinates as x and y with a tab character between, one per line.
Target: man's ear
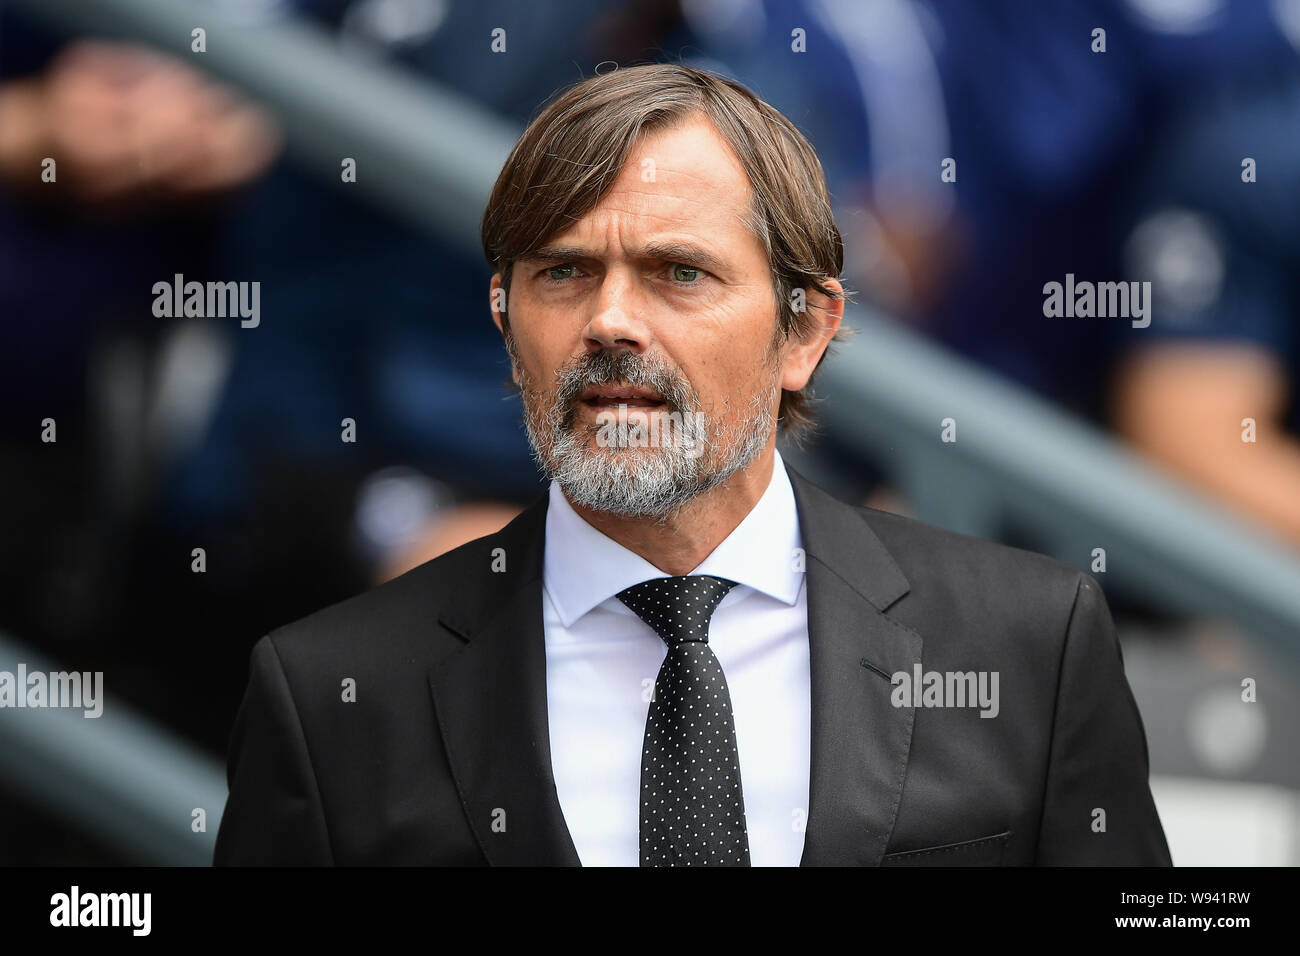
497	300
497	304
803	354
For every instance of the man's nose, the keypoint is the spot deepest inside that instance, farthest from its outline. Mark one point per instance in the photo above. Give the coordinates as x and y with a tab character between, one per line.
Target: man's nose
617	319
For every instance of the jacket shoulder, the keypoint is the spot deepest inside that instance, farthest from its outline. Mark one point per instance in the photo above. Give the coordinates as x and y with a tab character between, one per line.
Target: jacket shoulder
910	539
406	616
975	578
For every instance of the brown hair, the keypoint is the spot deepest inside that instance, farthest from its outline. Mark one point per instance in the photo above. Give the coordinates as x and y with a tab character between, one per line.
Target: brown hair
571	153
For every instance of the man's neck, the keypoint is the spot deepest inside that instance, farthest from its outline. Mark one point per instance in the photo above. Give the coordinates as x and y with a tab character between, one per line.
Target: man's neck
678	544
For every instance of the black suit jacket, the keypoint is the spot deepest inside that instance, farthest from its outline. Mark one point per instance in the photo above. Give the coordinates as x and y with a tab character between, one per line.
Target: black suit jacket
444	755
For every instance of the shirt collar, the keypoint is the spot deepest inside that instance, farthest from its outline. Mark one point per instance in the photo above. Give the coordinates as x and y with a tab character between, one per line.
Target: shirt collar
583	567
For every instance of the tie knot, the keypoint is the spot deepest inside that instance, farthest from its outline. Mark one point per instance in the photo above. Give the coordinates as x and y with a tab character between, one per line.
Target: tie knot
678	608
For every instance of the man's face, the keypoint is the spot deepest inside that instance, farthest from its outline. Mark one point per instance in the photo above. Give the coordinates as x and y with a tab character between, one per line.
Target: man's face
659	300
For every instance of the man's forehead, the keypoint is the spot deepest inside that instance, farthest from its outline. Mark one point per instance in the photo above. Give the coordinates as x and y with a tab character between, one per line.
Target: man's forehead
690	156
680	177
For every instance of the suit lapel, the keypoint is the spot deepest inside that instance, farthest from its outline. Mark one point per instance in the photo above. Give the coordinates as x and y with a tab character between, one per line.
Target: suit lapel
860	741
490	700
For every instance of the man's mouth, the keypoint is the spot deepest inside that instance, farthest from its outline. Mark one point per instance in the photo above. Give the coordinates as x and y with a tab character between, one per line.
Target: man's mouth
611	396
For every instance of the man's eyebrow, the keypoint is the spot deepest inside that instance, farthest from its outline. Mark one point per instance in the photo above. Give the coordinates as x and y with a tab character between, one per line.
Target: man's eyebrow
548	253
683	252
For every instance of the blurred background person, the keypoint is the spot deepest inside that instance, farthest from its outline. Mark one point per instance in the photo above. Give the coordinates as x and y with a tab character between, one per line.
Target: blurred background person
1222	350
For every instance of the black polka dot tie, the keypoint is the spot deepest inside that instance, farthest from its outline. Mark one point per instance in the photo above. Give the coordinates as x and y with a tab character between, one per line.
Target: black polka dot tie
692	805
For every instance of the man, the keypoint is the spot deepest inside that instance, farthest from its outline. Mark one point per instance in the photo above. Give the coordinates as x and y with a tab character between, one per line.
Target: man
685	653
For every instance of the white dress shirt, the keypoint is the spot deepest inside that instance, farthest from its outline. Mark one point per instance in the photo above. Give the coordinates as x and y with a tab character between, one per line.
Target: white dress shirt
602	660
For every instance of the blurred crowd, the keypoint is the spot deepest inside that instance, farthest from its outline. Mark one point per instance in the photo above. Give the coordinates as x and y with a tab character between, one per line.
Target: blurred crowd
1118	157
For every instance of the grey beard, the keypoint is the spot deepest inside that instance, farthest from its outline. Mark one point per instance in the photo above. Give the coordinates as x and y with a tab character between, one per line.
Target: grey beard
652	482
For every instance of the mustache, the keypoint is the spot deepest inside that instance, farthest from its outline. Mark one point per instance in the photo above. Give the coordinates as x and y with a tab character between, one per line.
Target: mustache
620	368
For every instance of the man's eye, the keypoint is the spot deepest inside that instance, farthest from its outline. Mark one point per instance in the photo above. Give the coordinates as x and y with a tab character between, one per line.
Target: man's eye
560	273
685	274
